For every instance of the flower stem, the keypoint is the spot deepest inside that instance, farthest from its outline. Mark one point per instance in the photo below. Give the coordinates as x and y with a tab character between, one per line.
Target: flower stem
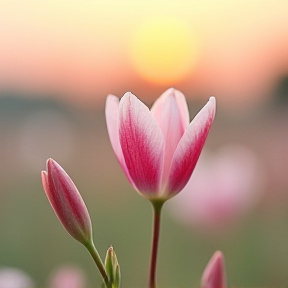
157	207
95	255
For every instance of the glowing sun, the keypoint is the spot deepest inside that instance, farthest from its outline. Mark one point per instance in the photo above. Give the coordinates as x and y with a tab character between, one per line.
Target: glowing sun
164	50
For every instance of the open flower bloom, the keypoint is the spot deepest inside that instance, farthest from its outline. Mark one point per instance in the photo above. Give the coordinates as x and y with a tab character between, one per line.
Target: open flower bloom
214	275
67	202
157	149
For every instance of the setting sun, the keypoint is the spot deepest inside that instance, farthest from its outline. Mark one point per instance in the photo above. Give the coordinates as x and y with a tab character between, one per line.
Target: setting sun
164	50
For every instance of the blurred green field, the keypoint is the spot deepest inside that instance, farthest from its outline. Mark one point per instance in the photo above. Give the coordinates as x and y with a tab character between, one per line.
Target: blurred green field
33	240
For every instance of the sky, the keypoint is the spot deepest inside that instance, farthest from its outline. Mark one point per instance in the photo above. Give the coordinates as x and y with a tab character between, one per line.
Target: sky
84	49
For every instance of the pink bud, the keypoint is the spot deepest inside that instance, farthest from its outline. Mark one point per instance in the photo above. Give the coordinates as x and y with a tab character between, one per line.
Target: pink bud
214	275
67	202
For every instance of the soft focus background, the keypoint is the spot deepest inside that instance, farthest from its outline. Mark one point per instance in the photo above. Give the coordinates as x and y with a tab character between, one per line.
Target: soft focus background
60	59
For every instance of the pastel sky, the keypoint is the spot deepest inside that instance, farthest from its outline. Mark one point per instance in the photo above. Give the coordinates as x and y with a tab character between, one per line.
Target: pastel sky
87	48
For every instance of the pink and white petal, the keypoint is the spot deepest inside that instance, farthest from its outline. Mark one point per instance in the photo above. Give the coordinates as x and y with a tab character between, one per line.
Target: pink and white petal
45	183
168	117
142	144
157	105
189	148
214	275
49	193
183	108
112	120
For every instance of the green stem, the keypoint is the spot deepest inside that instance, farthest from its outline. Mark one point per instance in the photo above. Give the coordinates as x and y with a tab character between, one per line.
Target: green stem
96	257
157	207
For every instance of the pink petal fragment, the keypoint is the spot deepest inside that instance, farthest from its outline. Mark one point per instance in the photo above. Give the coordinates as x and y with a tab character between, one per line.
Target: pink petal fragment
112	120
142	144
183	108
214	275
45	183
189	148
167	114
157	108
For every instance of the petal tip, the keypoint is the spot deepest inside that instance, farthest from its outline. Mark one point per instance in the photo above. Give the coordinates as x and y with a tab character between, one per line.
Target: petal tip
212	100
49	161
43	173
127	98
111	97
128	94
171	90
212	106
110	103
218	257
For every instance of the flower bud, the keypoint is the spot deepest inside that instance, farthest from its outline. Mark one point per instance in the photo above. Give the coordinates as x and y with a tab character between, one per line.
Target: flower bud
214	275
67	202
112	268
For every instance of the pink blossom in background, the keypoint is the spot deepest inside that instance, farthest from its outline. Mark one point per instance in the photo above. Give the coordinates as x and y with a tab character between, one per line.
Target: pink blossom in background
214	275
67	277
157	149
15	278
224	187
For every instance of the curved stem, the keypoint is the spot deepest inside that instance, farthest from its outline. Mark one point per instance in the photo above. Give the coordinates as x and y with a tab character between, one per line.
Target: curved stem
157	207
95	255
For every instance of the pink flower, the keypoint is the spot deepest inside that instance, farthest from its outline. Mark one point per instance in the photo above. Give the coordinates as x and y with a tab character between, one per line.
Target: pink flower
157	149
15	278
214	275
67	202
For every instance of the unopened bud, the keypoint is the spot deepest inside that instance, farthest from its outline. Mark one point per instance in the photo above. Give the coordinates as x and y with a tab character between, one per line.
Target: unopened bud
214	275
67	202
112	268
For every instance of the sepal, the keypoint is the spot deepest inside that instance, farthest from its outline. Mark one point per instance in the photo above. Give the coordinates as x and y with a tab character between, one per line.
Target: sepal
112	268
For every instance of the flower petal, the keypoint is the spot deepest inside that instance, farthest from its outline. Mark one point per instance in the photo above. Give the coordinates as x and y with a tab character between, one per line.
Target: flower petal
142	144
183	108
112	120
214	275
168	116
181	103
189	148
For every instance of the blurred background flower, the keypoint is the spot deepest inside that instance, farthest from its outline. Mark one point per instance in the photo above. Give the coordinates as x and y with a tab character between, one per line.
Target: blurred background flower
59	60
225	186
67	276
14	278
